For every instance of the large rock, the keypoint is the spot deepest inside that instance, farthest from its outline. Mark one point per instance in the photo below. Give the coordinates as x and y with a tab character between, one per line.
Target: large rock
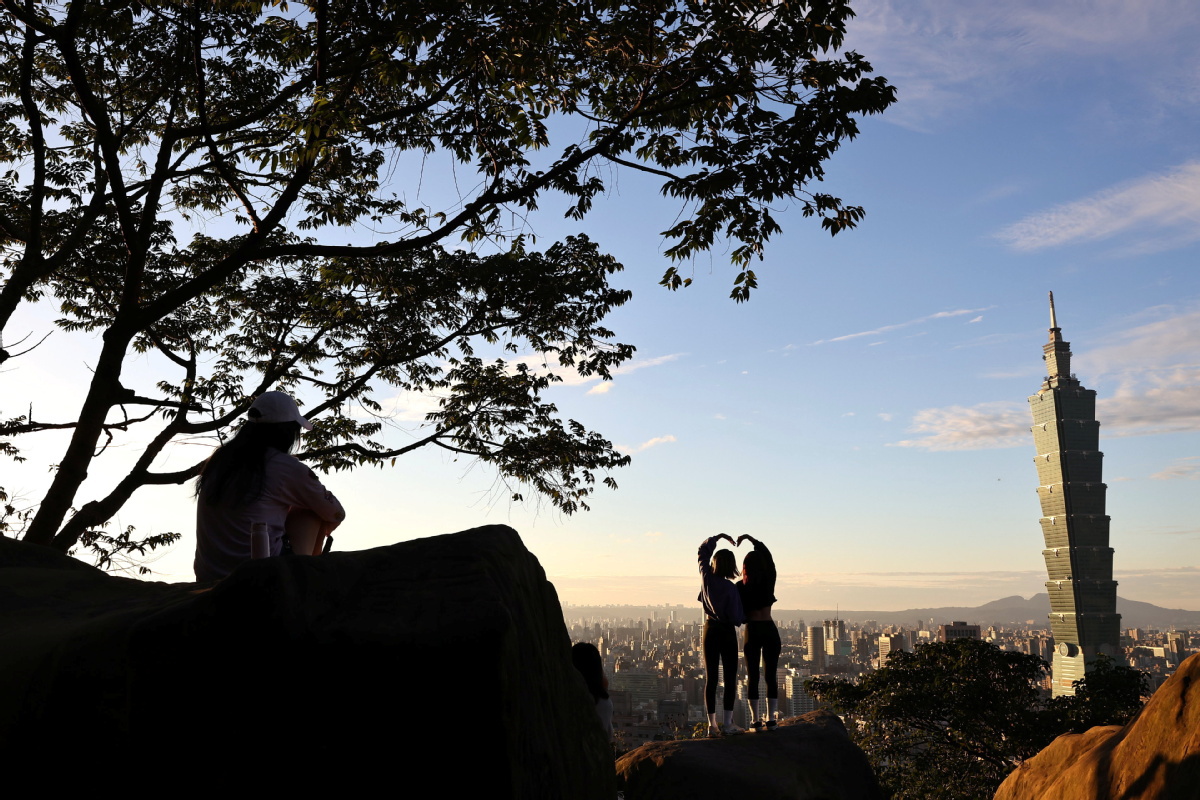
807	758
1154	757
440	663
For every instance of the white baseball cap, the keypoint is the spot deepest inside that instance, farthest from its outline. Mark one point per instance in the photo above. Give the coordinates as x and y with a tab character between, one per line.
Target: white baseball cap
277	407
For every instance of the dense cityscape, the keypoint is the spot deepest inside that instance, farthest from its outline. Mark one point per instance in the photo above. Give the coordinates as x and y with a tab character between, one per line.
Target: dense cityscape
656	673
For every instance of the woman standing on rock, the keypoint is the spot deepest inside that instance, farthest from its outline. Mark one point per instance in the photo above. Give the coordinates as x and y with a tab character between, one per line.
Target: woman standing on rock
757	591
722	614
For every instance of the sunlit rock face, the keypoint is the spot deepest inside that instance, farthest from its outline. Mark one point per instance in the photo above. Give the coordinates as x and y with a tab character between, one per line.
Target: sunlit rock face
809	757
1154	757
441	662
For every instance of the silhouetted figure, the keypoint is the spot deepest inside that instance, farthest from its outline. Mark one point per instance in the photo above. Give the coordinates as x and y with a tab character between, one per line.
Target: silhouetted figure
587	660
253	480
757	590
722	615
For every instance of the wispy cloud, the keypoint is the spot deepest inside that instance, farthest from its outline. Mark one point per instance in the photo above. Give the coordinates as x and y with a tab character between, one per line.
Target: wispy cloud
949	58
1164	209
885	417
1183	469
977	319
646	445
1148	379
541	363
601	388
897	326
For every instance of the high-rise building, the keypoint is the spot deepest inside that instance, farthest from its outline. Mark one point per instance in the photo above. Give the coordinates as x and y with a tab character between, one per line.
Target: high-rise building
1083	594
816	648
958	630
889	644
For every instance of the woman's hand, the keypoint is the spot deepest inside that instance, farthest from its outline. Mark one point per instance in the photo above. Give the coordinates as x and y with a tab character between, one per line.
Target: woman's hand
744	537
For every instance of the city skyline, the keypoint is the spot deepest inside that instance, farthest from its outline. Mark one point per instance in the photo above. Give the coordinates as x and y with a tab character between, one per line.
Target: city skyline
863	413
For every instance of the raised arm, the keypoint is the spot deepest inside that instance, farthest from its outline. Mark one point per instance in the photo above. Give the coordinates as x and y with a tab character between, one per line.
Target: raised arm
707	548
759	546
704	554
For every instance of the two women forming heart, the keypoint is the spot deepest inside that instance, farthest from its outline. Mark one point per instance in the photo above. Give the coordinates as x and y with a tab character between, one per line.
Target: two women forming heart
728	605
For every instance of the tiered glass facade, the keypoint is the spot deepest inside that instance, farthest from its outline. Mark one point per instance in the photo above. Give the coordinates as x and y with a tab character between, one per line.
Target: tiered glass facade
1083	594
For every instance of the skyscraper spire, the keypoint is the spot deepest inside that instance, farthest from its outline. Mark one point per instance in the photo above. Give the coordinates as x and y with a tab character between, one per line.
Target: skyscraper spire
1057	353
1083	595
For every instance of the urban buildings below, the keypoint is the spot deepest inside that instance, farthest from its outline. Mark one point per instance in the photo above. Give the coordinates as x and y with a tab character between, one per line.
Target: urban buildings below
655	664
958	630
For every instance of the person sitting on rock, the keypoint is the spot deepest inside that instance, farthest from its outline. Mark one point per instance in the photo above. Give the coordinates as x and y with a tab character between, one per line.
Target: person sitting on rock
253	479
587	660
722	615
757	590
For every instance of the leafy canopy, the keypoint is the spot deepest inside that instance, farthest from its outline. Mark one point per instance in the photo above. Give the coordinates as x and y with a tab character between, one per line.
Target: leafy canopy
950	720
228	185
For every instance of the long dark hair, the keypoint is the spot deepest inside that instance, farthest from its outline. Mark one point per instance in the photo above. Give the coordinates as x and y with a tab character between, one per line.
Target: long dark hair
759	569
234	473
586	659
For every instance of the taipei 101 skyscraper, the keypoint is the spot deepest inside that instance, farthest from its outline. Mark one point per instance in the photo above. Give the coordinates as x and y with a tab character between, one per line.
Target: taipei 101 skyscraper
1083	594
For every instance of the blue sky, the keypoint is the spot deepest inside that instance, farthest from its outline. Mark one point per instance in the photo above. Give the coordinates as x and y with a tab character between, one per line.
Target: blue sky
864	414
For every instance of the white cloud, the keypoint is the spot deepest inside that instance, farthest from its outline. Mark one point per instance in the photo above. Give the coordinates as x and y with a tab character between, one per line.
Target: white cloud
977	319
1183	469
643	363
885	417
948	58
543	362
646	445
719	416
1148	381
897	326
987	425
600	388
1164	209
407	407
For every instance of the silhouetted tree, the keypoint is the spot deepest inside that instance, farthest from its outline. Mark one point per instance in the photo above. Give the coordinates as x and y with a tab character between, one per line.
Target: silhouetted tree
950	720
178	179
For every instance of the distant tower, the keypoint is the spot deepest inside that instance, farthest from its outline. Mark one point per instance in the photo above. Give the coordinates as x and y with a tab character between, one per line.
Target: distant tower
816	648
1083	594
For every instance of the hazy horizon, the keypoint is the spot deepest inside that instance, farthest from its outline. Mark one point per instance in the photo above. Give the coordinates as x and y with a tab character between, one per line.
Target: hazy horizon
898	593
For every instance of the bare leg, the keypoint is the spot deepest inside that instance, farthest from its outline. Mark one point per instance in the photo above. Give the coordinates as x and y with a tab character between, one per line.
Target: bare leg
303	529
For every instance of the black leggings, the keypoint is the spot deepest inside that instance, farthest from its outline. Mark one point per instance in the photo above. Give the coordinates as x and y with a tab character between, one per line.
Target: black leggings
720	646
762	637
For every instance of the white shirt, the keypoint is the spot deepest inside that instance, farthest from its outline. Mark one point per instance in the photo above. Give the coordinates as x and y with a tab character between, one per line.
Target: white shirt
223	529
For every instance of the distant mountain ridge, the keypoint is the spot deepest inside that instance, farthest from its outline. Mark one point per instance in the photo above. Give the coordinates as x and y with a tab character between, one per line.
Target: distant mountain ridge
1134	613
1005	611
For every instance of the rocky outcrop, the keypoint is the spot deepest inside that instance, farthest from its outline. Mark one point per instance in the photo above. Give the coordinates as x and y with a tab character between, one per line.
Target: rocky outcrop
807	758
440	663
1154	757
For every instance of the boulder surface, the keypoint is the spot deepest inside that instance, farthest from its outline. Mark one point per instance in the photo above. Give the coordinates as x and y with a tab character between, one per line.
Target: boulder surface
809	757
1154	757
439	666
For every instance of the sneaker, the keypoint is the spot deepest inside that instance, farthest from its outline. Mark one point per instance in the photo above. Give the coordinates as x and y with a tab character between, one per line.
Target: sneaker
731	730
772	724
758	725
